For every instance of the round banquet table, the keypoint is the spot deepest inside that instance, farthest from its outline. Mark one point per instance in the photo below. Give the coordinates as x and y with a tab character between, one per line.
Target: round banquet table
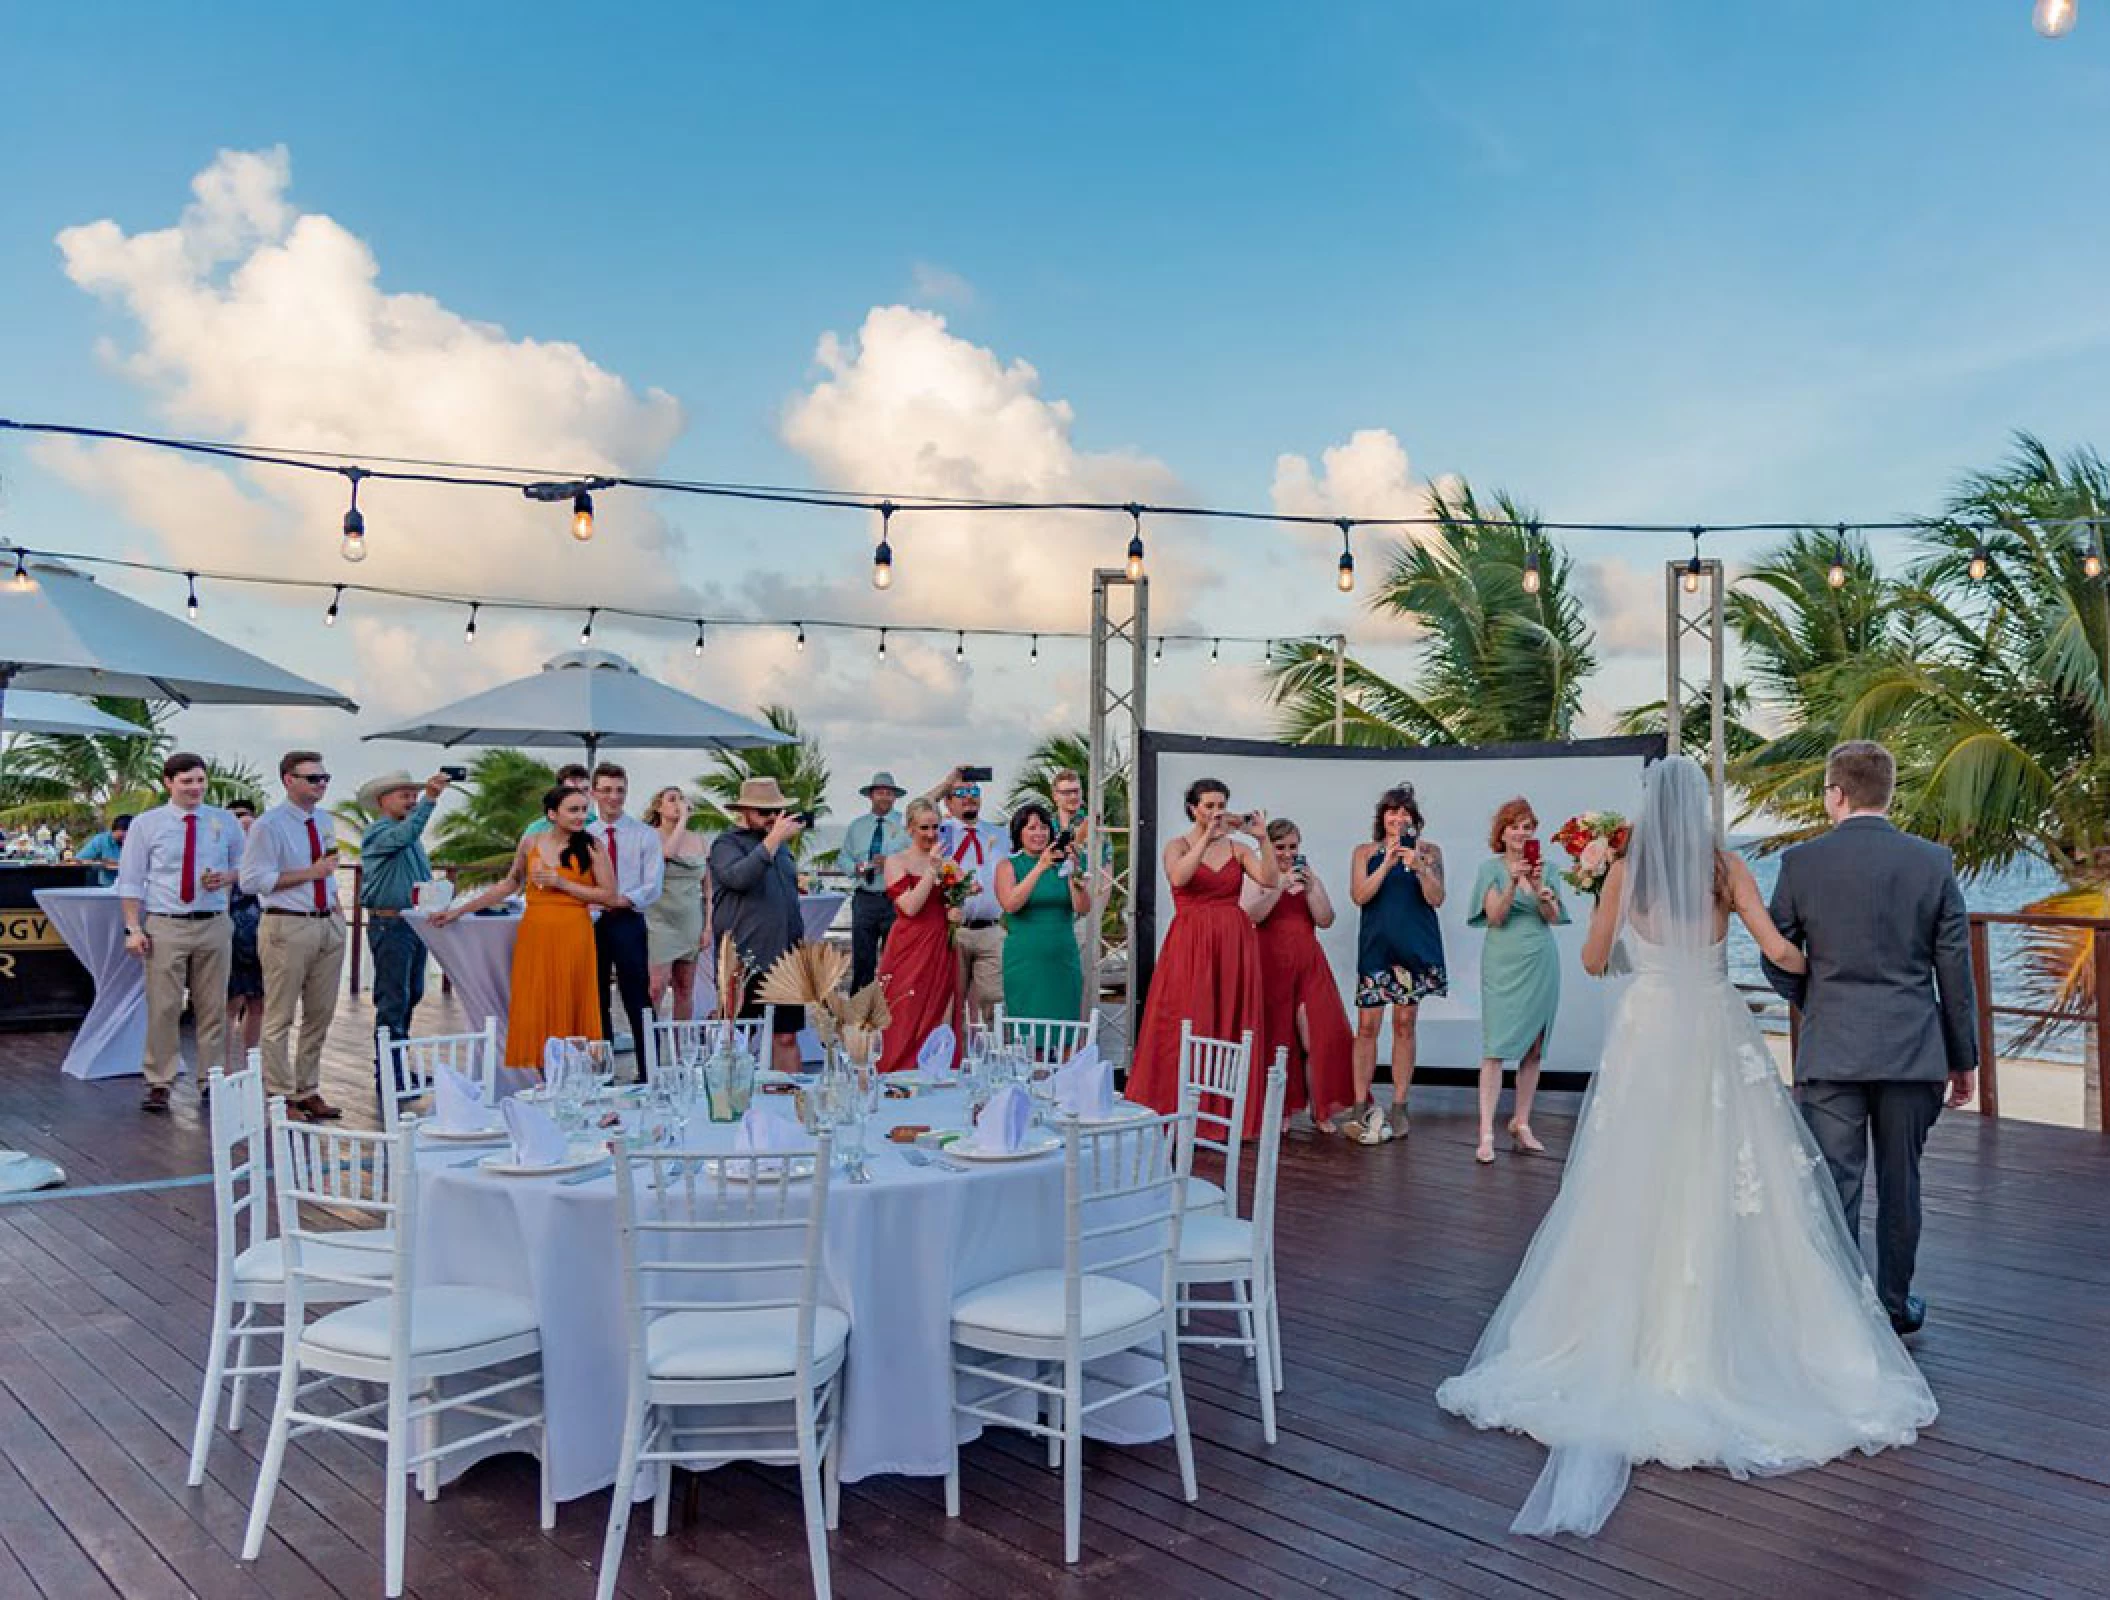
476	953
112	1040
897	1252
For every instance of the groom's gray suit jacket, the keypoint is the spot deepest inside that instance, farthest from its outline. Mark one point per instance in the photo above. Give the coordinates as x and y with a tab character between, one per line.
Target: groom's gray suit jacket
1889	994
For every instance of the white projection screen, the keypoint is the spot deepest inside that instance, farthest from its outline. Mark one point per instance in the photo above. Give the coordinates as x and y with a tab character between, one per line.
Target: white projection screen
1331	793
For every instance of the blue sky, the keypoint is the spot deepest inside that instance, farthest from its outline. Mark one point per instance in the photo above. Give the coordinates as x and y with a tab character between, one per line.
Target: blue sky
1627	260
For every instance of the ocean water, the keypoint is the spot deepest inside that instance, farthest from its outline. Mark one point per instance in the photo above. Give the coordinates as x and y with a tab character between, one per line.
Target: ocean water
2008	890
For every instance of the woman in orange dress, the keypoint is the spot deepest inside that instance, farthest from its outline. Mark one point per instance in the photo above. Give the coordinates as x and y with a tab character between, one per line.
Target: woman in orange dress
565	870
1208	972
1300	1005
918	967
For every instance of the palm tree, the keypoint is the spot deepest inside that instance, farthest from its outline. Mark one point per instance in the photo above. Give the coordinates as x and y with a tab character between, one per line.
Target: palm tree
500	799
1497	664
800	769
74	778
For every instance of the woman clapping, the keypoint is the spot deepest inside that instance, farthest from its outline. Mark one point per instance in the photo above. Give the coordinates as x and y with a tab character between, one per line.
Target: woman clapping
922	977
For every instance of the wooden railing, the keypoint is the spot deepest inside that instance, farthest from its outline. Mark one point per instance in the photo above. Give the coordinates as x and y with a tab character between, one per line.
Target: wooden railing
2097	1019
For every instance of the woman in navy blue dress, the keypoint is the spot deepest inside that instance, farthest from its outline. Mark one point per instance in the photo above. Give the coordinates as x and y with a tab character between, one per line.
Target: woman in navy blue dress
1397	880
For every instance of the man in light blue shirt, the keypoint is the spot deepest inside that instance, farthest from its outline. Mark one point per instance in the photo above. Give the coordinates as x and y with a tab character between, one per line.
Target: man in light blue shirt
104	849
392	863
870	840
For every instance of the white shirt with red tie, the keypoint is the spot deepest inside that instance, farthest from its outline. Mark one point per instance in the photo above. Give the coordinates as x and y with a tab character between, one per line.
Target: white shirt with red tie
286	839
640	862
978	847
169	851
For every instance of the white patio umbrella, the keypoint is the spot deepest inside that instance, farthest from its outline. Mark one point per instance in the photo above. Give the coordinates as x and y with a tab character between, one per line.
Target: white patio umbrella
34	711
63	631
590	698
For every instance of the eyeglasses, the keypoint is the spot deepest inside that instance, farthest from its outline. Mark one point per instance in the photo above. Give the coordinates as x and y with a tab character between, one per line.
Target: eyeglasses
1828	788
312	777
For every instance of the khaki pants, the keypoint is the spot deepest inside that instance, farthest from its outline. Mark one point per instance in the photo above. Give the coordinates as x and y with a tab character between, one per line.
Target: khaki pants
303	962
186	955
981	957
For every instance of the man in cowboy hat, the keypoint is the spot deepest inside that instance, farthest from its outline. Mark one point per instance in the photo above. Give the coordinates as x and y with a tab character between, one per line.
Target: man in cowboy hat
392	864
755	896
870	840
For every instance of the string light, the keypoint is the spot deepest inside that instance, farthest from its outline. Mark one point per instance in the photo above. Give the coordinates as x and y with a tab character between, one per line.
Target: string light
1034	653
2054	18
699	636
959	646
1532	579
1215	645
1344	578
2091	564
329	617
1135	544
801	641
582	516
1159	653
1835	574
586	633
22	578
1692	567
882	644
353	545
883	557
469	633
1981	561
191	605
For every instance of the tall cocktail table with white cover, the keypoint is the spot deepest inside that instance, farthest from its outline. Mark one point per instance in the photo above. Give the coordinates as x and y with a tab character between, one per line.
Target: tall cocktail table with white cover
898	1251
112	1039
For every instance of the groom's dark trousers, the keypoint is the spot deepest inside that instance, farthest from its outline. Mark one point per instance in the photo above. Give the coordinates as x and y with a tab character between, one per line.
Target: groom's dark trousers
1888	1013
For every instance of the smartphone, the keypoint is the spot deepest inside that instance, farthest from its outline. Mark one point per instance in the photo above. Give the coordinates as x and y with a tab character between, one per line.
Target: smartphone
455	774
977	774
1531	852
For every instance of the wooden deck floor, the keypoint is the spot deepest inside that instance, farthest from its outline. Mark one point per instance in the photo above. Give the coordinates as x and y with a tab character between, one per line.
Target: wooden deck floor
1391	1259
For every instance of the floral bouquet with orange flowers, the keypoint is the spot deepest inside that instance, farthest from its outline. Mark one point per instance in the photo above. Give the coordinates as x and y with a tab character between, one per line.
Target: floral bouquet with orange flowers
1594	840
955	883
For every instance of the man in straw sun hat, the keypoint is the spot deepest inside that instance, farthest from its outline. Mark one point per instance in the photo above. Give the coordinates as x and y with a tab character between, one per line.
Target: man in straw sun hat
755	896
392	864
870	840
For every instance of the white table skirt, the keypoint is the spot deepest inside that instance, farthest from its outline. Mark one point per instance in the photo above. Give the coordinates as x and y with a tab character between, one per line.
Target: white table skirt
898	1251
112	1039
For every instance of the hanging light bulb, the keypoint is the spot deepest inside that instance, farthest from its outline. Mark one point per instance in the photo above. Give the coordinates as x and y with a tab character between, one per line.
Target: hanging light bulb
699	636
329	617
1135	545
1034	653
2092	563
882	644
1835	574
22	577
1159	653
1981	561
1215	647
1344	574
582	516
469	633
353	546
191	605
1692	567
959	647
586	633
883	557
1532	578
801	641
2054	18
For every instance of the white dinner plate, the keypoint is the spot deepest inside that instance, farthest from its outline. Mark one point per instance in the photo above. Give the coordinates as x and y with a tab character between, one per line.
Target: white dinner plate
444	1136
801	1169
914	1079
1123	1111
501	1163
1037	1144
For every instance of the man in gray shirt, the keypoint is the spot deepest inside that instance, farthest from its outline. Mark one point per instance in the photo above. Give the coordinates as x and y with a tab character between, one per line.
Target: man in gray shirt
755	898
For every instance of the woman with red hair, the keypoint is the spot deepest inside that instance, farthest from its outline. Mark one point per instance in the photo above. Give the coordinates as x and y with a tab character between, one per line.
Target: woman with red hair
1520	972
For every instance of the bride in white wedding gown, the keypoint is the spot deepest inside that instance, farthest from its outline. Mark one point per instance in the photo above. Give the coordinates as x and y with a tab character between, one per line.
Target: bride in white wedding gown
1692	1297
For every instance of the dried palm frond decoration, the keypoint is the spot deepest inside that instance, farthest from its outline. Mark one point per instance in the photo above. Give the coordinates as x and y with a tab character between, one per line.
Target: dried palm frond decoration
732	984
864	1015
814	976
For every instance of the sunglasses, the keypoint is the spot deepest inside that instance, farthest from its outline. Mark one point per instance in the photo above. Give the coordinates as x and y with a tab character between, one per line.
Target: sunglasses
967	794
312	777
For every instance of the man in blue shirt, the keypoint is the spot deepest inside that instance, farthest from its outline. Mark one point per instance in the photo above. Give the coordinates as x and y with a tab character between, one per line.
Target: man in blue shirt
104	849
870	840
392	863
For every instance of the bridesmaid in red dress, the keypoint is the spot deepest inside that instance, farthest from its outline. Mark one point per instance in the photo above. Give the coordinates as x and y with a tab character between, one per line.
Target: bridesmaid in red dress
921	975
1300	1003
1208	972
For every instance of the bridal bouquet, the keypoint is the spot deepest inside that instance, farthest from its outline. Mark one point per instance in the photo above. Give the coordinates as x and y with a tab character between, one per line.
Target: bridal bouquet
1594	840
955	882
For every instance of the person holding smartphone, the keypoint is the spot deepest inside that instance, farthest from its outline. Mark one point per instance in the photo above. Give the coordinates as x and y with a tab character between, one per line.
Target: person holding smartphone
1300	1004
1397	880
289	862
1520	971
392	863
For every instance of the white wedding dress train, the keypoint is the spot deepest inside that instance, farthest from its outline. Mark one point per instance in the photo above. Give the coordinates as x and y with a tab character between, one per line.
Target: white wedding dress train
1692	1297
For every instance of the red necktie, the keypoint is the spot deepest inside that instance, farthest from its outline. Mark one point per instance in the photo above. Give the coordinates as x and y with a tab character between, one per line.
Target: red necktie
322	902
610	831
187	890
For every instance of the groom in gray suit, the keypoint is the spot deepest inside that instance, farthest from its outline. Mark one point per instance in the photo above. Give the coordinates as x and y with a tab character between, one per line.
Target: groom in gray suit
1888	1009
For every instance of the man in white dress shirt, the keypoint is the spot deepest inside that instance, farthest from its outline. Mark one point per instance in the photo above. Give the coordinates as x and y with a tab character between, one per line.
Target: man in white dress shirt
619	940
172	880
978	846
290	864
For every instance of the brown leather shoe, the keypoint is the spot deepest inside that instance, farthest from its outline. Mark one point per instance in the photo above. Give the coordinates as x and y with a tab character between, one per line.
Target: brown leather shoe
156	1100
319	1109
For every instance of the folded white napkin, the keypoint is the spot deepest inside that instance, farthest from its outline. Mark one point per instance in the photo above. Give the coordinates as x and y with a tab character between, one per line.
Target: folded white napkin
458	1104
939	1051
1001	1128
537	1140
763	1132
1085	1087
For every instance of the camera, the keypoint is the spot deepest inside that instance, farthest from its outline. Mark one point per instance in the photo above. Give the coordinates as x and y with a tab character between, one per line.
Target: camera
1297	863
1066	841
805	819
977	774
455	774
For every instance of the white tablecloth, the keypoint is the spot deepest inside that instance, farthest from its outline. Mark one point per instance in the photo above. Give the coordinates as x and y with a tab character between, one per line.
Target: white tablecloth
112	1040
818	912
898	1251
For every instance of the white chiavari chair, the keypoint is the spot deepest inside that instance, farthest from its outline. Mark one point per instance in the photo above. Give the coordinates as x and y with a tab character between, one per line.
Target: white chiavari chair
410	1065
1221	1070
1046	1039
695	1038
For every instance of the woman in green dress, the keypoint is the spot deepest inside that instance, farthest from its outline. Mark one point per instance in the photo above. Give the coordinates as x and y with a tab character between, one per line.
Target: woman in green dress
1520	973
1042	893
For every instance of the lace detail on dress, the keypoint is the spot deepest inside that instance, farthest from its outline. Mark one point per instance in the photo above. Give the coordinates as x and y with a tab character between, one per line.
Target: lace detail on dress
1749	1188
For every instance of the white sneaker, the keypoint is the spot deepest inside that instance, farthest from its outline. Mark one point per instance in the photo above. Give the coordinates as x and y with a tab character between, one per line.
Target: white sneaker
1371	1127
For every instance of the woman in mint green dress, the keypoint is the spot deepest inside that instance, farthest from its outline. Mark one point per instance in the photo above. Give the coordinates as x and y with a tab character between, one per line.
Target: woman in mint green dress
1042	896
1520	972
